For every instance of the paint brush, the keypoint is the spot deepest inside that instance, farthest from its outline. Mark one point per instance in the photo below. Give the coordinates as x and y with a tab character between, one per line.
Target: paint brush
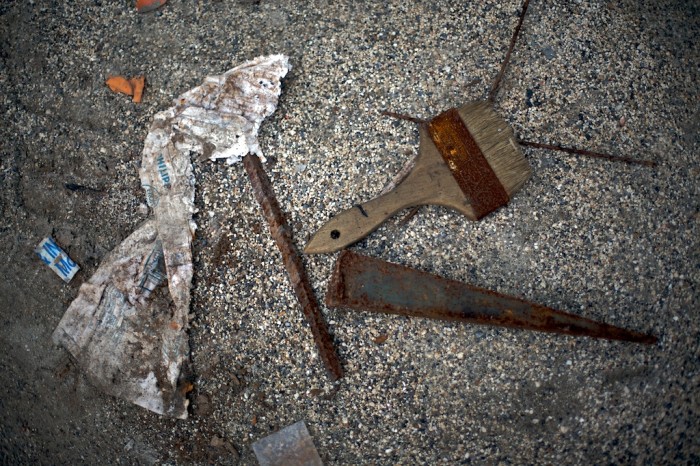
468	160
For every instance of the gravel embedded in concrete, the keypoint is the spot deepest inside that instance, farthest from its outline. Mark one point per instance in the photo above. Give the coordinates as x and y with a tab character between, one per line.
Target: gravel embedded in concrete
607	241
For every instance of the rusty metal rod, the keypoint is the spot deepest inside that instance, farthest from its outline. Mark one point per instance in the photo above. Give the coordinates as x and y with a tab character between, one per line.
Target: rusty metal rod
403	116
369	284
587	153
262	189
504	65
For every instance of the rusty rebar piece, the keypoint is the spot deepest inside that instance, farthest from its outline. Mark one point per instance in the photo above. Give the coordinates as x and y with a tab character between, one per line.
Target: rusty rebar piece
369	284
504	65
262	189
588	153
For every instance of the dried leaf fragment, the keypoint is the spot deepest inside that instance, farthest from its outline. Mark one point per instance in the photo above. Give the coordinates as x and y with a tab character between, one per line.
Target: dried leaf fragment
144	6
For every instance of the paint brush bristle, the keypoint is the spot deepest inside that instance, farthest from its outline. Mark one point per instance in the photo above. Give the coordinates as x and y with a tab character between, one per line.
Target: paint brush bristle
497	142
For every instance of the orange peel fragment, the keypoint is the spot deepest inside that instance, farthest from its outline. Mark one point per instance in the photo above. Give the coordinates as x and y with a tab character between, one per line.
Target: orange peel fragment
120	84
144	6
133	86
138	83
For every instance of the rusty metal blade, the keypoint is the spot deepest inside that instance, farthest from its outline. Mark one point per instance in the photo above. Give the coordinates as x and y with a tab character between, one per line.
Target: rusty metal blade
369	284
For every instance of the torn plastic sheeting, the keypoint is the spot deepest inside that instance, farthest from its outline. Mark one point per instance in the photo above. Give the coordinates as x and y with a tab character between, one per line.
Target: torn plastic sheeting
291	446
126	332
127	342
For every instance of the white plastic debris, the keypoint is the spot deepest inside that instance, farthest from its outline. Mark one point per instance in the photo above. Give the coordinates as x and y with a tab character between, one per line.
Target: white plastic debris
291	446
53	256
126	331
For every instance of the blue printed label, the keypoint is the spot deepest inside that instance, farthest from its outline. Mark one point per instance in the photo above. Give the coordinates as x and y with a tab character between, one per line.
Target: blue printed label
53	256
163	170
151	195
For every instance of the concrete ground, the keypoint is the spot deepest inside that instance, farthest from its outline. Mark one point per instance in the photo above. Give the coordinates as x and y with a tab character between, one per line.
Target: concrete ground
603	240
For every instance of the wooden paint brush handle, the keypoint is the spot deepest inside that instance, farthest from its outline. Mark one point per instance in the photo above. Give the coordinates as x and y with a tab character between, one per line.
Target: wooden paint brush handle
430	182
354	224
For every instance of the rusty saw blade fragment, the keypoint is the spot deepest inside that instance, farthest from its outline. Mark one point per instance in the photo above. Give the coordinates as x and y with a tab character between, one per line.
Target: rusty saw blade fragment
369	284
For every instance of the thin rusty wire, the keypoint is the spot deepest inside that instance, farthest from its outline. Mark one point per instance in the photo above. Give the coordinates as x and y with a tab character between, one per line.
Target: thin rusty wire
504	65
588	153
